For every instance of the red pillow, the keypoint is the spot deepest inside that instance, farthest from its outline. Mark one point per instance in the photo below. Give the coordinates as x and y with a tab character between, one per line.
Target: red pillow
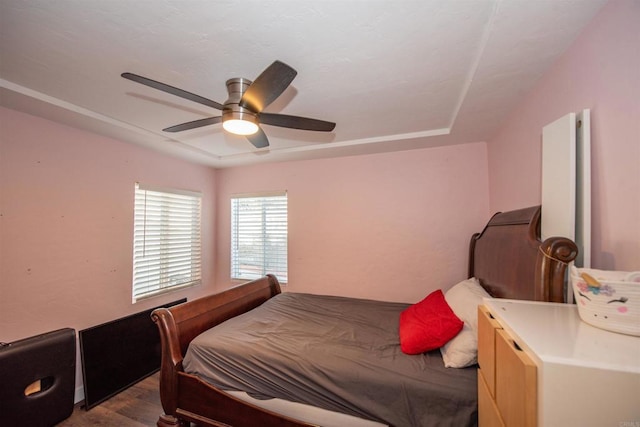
428	325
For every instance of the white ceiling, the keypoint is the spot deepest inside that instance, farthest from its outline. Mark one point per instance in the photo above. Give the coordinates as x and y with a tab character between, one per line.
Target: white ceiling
393	74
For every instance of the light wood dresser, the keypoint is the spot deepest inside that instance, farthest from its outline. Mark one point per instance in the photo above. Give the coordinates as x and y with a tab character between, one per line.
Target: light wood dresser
540	365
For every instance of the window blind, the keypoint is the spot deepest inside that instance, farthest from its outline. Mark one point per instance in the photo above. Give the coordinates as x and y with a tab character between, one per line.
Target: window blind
259	236
166	241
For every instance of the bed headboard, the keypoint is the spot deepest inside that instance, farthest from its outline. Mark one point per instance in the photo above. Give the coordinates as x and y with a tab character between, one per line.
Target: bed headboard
511	262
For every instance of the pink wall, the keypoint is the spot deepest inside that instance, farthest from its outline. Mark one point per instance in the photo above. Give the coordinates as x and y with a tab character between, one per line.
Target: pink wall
600	71
385	226
66	224
391	226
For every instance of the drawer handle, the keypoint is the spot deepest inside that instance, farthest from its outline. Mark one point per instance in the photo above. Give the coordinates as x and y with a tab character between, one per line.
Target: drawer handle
517	347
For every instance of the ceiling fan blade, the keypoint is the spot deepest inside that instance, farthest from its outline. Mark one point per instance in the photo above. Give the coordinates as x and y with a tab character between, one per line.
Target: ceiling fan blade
194	124
268	86
296	122
259	139
172	90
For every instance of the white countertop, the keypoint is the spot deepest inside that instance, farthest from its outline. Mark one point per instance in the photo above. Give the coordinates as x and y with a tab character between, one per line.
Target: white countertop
555	334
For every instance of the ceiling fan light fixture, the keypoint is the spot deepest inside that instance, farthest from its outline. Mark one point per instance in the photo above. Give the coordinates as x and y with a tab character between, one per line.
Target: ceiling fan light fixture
240	126
239	121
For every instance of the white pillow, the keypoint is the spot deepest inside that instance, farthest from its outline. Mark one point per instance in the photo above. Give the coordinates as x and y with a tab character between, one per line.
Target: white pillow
464	299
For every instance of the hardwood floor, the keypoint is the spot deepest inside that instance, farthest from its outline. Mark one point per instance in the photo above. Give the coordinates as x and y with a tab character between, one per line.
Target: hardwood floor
137	406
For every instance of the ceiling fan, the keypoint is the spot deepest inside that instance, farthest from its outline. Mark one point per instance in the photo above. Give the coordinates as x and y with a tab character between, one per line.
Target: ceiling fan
242	112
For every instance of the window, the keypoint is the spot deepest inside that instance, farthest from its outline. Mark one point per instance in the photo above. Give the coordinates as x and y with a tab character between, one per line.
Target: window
259	236
166	241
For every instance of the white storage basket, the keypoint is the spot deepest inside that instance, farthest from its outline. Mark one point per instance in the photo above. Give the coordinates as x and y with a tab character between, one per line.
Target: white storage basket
608	299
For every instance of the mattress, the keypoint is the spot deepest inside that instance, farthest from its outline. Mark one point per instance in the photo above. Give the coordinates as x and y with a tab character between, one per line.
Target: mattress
340	354
306	413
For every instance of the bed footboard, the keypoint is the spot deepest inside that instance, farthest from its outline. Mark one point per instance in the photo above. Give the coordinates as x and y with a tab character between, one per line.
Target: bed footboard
184	396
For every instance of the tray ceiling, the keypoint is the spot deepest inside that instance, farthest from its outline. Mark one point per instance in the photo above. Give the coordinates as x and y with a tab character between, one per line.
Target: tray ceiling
393	75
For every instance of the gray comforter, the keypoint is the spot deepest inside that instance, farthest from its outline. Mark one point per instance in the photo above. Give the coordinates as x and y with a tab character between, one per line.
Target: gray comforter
341	354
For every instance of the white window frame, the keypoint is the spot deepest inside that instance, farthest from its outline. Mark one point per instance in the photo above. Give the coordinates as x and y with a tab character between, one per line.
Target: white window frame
259	235
166	240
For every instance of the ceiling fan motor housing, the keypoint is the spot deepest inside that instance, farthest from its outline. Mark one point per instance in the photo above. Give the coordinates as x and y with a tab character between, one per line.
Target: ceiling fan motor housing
232	109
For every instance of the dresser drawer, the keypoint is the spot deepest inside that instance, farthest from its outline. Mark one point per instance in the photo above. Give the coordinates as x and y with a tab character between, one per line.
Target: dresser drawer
487	325
516	383
488	414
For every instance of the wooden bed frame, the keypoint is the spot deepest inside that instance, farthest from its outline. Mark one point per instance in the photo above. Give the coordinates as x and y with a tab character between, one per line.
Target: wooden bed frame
507	257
